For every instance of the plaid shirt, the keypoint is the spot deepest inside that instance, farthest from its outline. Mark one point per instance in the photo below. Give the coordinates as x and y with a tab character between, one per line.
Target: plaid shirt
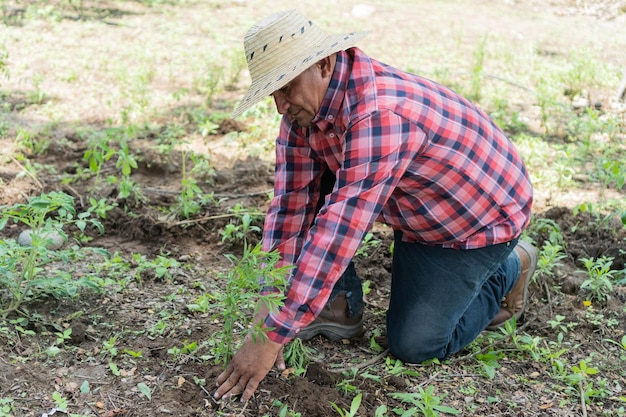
406	151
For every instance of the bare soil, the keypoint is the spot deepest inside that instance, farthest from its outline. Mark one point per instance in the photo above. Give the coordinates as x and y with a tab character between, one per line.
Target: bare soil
521	385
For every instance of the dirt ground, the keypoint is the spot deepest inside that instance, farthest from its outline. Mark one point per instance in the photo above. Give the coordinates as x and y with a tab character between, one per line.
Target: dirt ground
521	385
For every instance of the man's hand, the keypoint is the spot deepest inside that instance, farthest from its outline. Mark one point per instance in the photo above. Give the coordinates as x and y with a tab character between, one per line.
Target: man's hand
248	368
250	364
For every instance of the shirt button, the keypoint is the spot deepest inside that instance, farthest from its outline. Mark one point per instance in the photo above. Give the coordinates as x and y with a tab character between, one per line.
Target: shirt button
331	135
330	117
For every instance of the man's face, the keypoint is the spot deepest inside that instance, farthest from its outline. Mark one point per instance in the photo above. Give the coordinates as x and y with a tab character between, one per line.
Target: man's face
302	97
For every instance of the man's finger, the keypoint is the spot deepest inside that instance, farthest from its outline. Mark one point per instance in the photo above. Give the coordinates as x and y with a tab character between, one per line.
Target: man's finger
280	361
228	387
224	375
251	386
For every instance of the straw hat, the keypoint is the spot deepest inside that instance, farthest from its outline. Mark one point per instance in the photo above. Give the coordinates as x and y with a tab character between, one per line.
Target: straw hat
280	47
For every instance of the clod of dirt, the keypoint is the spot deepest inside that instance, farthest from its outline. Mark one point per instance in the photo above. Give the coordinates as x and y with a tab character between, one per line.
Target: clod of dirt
318	374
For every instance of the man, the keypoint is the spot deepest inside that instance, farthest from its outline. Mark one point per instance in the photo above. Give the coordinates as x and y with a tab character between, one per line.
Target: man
361	141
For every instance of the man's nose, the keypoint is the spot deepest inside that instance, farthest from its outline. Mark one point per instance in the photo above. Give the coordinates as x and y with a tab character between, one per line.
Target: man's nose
282	105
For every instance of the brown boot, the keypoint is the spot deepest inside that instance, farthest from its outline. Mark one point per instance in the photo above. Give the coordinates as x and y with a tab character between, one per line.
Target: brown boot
514	302
334	322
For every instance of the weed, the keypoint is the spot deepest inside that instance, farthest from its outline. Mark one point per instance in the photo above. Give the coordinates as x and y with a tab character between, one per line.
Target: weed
297	356
424	401
161	267
109	348
6	407
188	348
254	271
579	380
354	406
31	142
21	267
549	259
368	244
600	277
285	411
477	71
97	154
237	231
4	59
490	362
100	207
396	367
546	228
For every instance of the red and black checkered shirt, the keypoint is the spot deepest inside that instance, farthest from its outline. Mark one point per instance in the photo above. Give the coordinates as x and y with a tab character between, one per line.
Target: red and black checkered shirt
406	151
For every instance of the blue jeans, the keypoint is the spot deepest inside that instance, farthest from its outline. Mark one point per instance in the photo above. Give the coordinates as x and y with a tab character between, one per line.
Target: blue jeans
441	299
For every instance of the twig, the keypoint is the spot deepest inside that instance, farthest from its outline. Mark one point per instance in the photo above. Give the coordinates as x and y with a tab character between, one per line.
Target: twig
217	216
430	379
583	404
27	172
76	193
227	196
243	409
362	365
545	284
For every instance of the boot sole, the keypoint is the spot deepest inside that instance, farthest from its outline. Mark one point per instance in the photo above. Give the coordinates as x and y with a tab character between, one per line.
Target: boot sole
332	331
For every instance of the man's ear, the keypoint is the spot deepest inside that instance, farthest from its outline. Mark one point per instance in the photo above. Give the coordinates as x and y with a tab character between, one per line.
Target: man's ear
327	66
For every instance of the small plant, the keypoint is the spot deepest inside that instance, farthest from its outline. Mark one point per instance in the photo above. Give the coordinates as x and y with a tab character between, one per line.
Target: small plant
21	267
285	411
6	407
188	348
368	244
354	407
424	401
109	348
297	356
4	58
161	267
490	362
549	259
97	154
254	271
239	230
600	277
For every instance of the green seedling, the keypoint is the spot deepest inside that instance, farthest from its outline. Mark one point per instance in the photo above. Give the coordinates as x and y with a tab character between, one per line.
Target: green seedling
63	336
188	348
354	407
145	390
425	402
368	244
549	259
600	277
6	407
285	411
22	271
238	230
396	367
108	347
256	270
297	356
490	362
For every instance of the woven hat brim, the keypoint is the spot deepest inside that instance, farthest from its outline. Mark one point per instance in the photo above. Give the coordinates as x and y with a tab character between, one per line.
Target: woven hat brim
278	77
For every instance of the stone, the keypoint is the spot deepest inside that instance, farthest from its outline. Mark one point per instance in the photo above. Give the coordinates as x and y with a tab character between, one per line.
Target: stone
55	240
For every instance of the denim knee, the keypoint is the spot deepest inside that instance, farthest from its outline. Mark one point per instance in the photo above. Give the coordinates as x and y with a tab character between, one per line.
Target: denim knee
414	343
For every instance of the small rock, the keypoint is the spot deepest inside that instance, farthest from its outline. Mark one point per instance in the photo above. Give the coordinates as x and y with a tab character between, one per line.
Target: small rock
53	238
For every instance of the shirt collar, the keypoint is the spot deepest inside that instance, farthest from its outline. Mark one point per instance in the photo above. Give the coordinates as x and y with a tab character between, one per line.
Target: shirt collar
331	105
